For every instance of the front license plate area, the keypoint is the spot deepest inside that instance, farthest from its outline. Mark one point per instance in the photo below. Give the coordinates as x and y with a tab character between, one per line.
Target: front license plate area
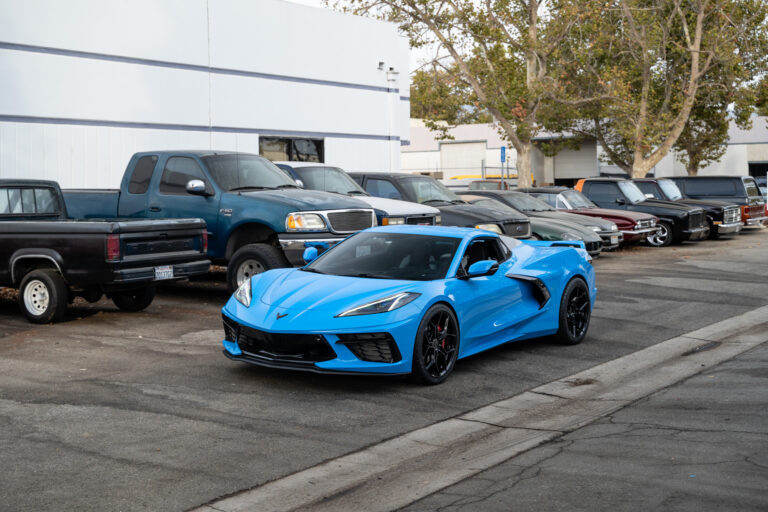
164	272
614	239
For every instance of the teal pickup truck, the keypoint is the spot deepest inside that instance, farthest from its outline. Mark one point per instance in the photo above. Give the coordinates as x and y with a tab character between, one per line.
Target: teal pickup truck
256	216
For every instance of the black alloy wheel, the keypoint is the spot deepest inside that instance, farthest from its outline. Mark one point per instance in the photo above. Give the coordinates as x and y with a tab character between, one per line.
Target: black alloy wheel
437	345
575	313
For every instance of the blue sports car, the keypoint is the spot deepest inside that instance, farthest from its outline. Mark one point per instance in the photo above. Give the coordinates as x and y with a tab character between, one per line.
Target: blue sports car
410	300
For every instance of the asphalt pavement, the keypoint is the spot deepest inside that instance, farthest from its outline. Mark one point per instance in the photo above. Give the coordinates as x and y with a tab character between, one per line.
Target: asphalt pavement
116	411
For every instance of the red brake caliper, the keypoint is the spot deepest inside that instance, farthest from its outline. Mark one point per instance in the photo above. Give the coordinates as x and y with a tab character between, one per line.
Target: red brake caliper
440	329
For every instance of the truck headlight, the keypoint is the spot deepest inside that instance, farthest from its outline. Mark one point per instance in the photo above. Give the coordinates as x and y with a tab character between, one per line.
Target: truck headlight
438	220
489	227
243	294
392	221
304	222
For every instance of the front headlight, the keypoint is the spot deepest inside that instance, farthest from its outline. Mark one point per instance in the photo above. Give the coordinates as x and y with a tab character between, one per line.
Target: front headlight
595	228
304	222
489	227
570	236
392	221
438	220
382	305
243	294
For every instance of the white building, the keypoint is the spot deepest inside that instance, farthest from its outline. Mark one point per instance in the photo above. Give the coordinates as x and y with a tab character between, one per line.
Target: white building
476	148
86	83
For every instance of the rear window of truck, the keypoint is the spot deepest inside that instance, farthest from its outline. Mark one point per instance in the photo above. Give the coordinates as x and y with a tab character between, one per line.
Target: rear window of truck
711	187
25	201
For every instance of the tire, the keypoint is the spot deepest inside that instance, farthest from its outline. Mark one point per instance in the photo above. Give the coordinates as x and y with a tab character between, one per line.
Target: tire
663	236
575	313
43	296
250	260
436	347
134	300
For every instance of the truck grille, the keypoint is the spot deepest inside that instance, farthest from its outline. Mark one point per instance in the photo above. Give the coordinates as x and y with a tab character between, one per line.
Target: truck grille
429	220
288	347
696	220
517	228
731	214
593	246
350	221
375	347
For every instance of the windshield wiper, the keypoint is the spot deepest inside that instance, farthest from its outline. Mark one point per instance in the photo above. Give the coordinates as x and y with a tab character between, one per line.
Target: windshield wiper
287	185
458	201
251	187
434	201
367	274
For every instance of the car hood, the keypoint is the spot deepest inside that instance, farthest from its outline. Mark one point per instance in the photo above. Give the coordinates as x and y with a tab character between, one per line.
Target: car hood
557	227
706	204
669	205
610	212
604	225
471	214
303	200
295	289
396	207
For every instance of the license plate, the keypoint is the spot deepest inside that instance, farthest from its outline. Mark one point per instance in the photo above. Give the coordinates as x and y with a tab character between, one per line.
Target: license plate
614	239
164	272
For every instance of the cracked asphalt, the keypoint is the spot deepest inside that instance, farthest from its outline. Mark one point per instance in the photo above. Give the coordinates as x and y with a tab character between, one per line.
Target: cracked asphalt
116	411
700	445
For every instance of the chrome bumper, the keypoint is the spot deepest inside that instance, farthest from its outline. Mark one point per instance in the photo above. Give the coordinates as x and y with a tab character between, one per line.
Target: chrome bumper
755	220
293	246
640	231
731	227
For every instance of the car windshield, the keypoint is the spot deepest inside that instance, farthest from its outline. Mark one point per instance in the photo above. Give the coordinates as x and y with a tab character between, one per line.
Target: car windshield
429	190
526	203
487	202
632	193
329	179
577	200
379	255
237	171
670	189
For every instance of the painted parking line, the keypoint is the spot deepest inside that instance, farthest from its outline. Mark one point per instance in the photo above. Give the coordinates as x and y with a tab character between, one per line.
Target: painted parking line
402	470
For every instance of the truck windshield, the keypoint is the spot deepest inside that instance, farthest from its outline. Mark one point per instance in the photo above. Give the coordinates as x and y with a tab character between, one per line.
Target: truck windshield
236	171
526	203
329	179
670	190
633	194
428	190
577	200
379	255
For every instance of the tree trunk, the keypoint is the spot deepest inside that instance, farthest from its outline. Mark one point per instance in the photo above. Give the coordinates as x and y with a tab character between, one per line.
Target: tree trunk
692	168
524	173
641	168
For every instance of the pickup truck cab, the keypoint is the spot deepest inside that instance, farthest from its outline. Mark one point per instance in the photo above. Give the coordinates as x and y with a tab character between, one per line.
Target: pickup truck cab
677	222
52	259
332	179
634	226
257	217
723	218
454	211
740	190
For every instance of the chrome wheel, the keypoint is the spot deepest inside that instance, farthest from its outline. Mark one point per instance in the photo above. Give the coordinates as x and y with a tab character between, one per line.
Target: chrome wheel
247	269
663	236
37	298
577	313
440	342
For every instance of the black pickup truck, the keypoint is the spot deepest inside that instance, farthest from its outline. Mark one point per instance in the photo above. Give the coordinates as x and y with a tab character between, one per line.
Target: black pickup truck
52	259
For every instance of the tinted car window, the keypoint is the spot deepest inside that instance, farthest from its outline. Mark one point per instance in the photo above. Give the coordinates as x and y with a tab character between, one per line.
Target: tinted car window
239	171
711	187
329	179
177	173
389	256
382	188
648	188
45	201
427	190
604	192
142	175
480	250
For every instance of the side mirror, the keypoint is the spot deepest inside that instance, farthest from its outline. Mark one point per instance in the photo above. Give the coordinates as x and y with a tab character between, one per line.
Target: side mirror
299	182
650	196
620	200
482	268
197	188
310	254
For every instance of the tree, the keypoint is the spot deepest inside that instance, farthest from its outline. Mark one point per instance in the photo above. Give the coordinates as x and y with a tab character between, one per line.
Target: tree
439	99
497	53
761	94
657	58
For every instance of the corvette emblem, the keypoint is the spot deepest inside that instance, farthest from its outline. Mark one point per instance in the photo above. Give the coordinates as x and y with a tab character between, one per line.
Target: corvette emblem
279	316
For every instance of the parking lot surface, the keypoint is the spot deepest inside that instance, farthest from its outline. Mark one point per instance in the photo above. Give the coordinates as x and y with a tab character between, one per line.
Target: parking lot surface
120	411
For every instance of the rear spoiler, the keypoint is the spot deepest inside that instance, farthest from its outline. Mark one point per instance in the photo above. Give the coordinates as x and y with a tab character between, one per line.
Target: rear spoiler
578	244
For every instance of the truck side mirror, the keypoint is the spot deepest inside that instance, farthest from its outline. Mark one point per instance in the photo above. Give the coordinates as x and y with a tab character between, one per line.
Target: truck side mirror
310	254
197	188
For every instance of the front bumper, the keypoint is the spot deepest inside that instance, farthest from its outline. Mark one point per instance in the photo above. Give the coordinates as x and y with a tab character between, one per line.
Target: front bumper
611	239
694	235
755	221
293	244
730	228
147	274
638	235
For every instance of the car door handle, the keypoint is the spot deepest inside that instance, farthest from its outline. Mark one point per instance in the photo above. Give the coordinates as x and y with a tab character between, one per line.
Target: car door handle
154	208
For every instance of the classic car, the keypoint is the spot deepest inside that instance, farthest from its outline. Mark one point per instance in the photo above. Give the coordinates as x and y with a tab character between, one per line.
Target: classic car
741	190
634	226
396	300
548	229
